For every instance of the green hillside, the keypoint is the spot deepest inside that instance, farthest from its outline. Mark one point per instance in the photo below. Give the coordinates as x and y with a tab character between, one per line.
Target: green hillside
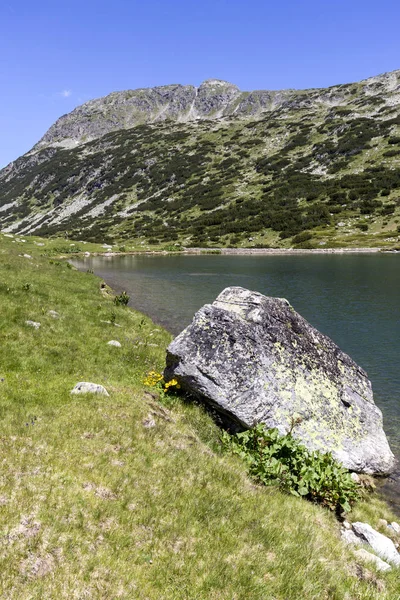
319	169
125	496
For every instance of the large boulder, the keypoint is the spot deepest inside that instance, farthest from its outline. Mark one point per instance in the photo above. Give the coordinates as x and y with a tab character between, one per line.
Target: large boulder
255	359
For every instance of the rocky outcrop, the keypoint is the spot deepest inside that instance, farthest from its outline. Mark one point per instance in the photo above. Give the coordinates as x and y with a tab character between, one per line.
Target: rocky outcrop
254	359
213	99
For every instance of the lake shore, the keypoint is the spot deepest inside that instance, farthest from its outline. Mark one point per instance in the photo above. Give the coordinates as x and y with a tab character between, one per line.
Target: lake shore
245	251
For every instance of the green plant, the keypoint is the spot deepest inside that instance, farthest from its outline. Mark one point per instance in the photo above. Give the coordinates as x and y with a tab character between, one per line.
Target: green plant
283	460
167	390
121	299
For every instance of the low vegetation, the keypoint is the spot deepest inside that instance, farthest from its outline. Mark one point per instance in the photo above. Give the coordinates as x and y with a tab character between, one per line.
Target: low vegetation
128	496
306	166
281	459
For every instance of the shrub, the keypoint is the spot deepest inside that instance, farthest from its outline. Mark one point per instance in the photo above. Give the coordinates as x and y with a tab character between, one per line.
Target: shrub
281	459
121	300
304	236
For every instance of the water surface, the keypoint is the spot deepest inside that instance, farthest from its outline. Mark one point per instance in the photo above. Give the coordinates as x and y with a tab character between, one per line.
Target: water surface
354	299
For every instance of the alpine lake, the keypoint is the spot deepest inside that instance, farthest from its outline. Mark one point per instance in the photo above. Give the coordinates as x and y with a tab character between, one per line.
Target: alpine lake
352	298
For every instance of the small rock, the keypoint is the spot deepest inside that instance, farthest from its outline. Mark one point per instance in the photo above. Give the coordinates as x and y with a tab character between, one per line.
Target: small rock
87	253
149	422
382	522
349	537
34	324
355	477
341	224
346	525
54	314
27	256
367	556
114	343
382	545
395	527
86	387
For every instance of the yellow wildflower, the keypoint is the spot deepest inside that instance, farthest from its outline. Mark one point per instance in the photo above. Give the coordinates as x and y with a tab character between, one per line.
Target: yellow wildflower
152	378
171	383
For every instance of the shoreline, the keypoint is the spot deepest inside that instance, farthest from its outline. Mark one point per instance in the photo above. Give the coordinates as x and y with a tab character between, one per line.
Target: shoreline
243	252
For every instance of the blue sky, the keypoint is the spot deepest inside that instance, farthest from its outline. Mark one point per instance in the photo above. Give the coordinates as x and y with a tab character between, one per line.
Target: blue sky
56	55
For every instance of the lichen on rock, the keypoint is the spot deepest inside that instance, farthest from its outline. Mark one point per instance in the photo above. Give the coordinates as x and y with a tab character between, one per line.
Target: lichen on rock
254	359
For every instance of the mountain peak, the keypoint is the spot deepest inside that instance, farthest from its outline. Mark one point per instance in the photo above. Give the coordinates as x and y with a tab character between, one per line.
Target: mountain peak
215	83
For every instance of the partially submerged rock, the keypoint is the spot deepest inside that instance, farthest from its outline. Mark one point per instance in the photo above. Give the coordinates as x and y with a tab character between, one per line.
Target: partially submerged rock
86	387
254	359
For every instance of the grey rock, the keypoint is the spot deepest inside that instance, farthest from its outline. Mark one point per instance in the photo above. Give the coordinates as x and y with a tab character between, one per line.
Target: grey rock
254	359
394	527
349	537
86	387
34	324
114	343
369	557
54	314
381	544
27	256
355	477
149	422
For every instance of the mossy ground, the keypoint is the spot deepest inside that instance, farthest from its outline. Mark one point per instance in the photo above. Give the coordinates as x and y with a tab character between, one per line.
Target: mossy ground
96	504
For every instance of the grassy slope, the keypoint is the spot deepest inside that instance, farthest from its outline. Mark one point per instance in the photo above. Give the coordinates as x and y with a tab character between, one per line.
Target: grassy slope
94	504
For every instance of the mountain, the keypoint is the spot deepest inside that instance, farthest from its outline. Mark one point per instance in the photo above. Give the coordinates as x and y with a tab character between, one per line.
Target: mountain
218	166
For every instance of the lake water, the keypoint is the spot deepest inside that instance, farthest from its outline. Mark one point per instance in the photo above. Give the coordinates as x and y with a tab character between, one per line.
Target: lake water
354	299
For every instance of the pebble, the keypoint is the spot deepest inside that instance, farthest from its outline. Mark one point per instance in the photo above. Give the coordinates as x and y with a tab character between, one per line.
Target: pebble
34	324
114	343
149	422
394	527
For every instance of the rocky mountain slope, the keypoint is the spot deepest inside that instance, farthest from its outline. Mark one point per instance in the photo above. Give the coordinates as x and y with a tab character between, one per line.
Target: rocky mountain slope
214	165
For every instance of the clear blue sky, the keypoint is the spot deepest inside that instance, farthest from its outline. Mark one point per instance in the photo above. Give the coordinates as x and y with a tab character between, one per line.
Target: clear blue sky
56	54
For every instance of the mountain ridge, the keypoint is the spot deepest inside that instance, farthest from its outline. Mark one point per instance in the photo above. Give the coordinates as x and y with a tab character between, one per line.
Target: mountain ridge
215	165
178	102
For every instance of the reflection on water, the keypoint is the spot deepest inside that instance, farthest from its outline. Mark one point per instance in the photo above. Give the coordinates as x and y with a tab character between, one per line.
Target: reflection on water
354	299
